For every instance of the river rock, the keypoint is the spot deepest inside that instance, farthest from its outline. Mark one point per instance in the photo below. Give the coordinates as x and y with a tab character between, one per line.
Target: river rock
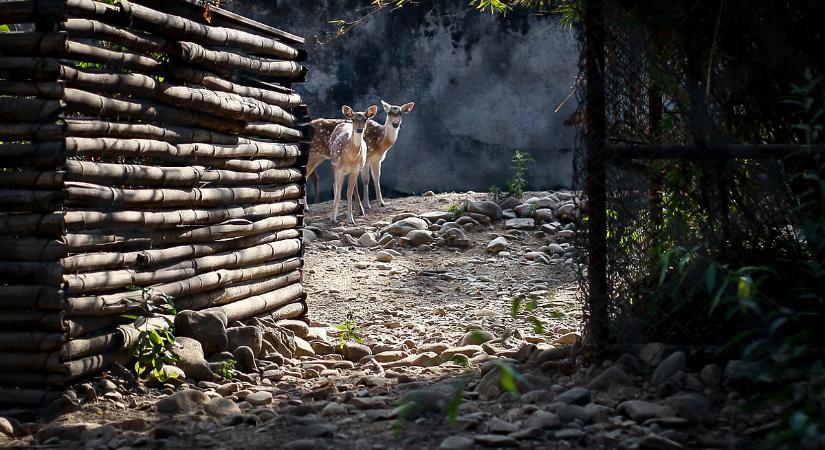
354	351
367	240
575	396
383	256
435	216
299	327
656	442
711	375
476	337
259	398
510	203
524	210
222	407
668	367
192	360
567	212
181	402
302	348
246	336
613	375
457	443
652	353
691	406
417	237
456	237
640	410
487	208
207	327
520	224
495	440
498	244
542	419
246	359
543	215
404	226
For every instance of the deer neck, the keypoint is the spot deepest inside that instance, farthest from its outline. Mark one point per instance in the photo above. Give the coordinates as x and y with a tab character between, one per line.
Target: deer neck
390	133
356	140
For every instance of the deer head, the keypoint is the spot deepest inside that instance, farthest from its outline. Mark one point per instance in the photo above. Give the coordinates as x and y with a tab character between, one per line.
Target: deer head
395	113
359	119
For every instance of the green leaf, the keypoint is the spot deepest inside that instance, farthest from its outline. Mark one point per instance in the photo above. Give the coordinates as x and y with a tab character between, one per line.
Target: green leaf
710	278
5	29
455	403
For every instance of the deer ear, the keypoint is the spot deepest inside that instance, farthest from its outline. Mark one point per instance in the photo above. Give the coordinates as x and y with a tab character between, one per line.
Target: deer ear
372	111
407	107
385	105
347	111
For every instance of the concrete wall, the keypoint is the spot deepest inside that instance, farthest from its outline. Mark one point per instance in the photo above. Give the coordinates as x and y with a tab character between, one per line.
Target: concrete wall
483	86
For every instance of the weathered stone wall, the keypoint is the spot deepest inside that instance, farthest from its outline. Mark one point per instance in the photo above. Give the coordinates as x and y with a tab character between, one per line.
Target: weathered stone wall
483	85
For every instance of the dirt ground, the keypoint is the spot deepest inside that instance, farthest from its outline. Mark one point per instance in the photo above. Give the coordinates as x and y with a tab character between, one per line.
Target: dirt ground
416	306
442	290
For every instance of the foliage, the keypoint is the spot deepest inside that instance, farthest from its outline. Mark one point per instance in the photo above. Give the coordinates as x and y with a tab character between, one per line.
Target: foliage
520	160
227	369
153	347
349	331
523	306
780	298
515	187
4	29
453	208
496	194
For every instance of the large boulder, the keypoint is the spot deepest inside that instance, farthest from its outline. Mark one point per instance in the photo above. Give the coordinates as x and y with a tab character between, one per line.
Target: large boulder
487	208
181	402
404	226
417	237
498	244
207	327
191	359
520	224
247	336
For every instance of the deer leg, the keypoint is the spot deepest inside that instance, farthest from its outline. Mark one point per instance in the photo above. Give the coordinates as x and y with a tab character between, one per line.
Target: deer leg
365	179
375	167
315	180
358	199
353	182
339	181
312	164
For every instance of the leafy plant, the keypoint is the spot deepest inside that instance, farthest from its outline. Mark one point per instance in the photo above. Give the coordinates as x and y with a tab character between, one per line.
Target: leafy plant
521	304
153	347
496	193
519	161
349	331
515	187
453	208
509	378
227	369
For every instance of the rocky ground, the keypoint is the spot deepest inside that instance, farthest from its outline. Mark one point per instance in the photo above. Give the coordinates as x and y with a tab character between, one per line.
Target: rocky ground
470	330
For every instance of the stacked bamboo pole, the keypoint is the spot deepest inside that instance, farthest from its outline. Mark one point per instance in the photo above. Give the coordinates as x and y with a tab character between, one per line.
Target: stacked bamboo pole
144	153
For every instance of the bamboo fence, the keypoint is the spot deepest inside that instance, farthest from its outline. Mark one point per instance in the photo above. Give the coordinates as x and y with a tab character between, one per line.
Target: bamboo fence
145	152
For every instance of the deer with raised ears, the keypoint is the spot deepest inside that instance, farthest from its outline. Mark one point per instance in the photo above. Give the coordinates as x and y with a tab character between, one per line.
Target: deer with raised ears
380	139
348	152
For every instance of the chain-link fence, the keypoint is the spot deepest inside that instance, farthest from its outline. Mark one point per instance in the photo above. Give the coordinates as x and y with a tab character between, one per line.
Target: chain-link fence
697	96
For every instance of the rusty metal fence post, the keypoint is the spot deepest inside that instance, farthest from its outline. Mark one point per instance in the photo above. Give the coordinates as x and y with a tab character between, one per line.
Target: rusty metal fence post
595	163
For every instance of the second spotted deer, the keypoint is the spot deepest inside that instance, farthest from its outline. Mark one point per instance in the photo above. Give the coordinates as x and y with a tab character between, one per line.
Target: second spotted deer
348	152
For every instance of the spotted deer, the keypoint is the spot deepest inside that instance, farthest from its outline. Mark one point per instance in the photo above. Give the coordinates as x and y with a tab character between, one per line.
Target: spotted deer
380	139
348	153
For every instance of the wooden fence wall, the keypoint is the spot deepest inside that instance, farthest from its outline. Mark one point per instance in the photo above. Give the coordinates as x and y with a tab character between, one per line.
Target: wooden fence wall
148	148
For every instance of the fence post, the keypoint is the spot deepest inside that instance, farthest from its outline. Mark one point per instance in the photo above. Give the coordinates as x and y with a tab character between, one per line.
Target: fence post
595	161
